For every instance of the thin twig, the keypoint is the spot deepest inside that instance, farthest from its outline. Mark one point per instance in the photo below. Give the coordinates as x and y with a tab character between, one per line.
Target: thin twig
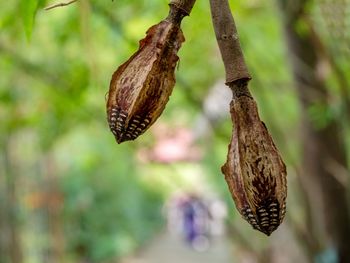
59	5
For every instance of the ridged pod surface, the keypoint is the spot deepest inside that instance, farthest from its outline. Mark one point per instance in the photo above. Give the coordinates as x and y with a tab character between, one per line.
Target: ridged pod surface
254	170
141	87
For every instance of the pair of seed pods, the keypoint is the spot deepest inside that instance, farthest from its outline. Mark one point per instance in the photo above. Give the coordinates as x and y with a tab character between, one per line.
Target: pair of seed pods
138	93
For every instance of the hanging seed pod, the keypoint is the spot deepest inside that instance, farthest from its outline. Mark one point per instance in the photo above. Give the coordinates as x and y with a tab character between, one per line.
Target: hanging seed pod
141	87
254	170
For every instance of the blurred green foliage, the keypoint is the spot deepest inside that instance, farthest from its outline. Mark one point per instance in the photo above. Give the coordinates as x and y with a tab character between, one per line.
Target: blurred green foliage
108	211
55	74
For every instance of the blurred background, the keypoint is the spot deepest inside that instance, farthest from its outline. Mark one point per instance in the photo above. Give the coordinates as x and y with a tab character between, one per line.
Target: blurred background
69	193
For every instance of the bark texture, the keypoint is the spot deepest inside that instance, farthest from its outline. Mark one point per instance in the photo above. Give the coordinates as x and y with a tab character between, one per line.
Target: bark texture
228	41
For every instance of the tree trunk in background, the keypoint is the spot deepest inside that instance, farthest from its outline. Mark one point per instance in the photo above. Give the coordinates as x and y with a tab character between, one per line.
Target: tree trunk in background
3	215
323	145
12	243
54	203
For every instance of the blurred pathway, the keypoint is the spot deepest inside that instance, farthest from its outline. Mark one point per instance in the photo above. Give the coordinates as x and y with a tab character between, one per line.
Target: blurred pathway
169	248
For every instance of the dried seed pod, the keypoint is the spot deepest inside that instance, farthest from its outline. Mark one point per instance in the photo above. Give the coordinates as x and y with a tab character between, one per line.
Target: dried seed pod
254	170
140	88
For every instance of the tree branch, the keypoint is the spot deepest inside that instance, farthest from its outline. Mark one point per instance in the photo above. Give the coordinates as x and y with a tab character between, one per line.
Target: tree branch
59	5
179	9
185	5
228	41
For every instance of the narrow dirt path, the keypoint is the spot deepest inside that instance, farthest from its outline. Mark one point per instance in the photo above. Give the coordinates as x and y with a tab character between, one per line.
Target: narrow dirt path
169	248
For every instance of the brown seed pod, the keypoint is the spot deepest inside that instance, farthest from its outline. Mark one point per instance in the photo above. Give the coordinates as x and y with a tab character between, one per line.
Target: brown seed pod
254	170
140	88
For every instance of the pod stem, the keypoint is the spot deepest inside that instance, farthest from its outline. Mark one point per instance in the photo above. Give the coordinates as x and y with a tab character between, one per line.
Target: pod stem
179	9
229	45
185	5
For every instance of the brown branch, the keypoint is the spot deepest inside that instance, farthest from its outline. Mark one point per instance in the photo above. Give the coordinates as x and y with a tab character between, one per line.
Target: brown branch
179	9
228	41
185	5
59	5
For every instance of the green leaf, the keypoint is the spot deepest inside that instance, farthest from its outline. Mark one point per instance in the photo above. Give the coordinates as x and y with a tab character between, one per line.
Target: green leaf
28	11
